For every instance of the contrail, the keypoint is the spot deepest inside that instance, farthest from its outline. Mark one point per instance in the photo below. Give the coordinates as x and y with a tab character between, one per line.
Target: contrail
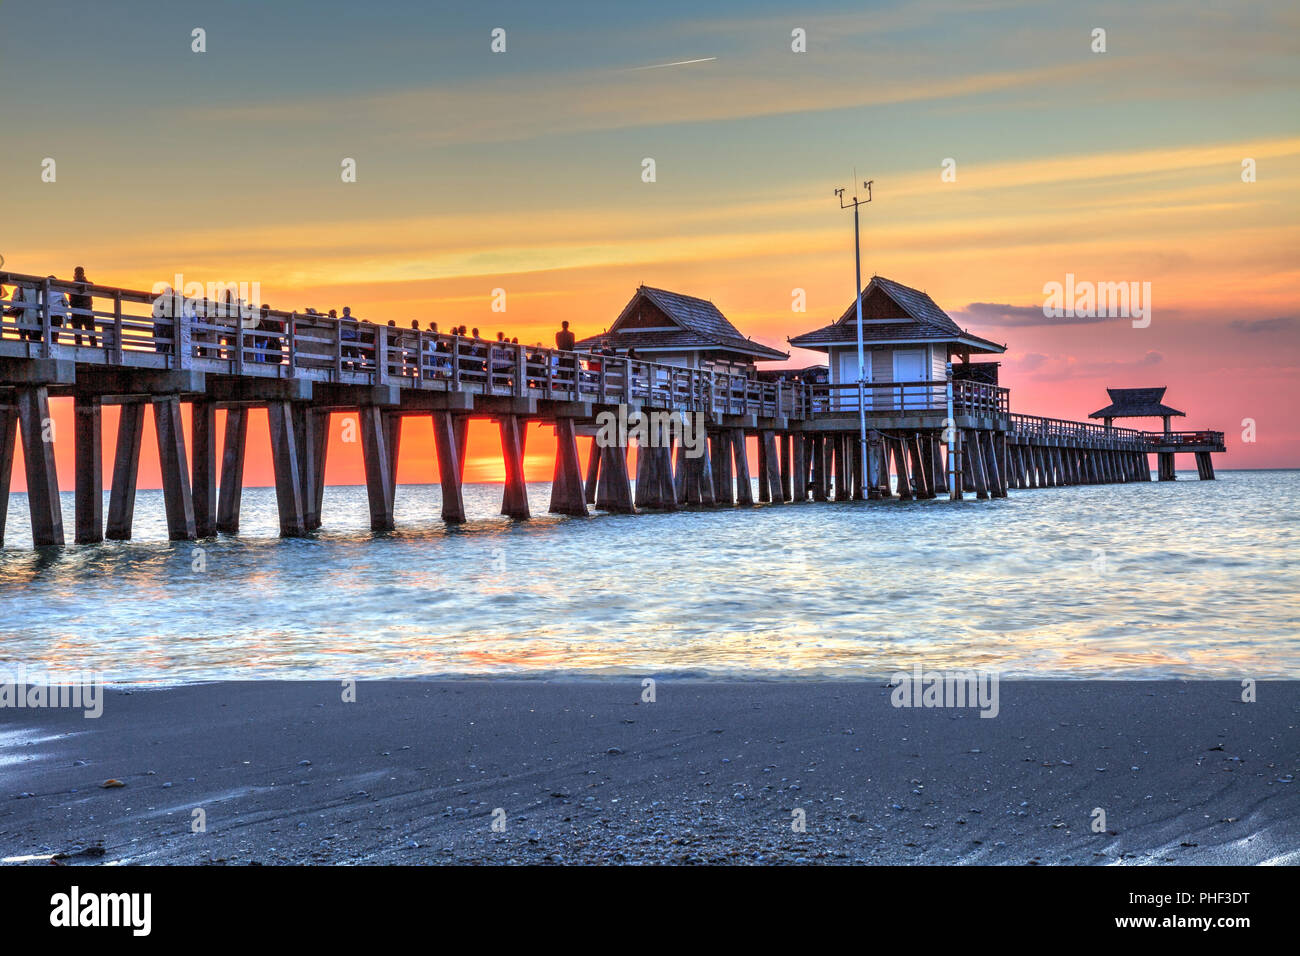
660	66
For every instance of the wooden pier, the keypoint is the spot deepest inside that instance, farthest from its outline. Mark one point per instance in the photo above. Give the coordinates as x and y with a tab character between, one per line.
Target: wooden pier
927	438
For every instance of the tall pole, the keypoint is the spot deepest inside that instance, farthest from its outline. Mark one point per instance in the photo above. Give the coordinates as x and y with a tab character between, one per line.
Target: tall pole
857	298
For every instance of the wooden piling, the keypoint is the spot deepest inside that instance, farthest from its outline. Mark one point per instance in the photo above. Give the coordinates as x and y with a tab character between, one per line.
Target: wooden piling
566	485
920	470
8	443
787	476
126	467
284	459
975	458
375	457
614	493
449	468
744	487
89	460
38	456
724	491
593	472
514	503
203	467
320	437
234	443
799	467
178	500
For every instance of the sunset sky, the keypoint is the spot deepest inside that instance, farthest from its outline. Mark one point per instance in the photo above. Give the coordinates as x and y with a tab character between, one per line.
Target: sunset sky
522	170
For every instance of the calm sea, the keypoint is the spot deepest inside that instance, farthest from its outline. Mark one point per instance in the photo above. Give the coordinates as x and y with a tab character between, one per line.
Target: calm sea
1189	579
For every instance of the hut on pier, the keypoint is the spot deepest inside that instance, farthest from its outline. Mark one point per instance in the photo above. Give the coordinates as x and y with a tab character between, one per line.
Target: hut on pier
906	338
675	329
1136	403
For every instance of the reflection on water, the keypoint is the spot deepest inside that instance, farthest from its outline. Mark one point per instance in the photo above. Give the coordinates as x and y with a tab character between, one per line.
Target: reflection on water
1194	579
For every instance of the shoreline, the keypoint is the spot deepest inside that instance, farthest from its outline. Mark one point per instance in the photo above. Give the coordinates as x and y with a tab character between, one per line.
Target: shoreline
585	771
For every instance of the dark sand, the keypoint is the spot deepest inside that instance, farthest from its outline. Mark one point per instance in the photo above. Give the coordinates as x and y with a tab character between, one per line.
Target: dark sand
710	773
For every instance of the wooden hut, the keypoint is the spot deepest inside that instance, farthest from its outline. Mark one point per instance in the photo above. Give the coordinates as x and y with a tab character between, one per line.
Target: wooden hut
675	329
1136	403
906	338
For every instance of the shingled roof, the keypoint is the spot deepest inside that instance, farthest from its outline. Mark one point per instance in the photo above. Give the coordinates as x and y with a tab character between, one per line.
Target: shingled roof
1136	403
699	326
921	321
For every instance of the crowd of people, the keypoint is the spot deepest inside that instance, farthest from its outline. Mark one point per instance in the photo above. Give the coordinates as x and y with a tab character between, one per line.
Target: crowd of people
266	342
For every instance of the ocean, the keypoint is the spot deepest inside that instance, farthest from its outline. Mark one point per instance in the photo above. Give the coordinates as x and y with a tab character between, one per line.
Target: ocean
1187	579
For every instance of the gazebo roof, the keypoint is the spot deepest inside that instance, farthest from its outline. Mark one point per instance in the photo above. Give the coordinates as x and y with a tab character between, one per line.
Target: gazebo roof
1136	403
894	314
697	324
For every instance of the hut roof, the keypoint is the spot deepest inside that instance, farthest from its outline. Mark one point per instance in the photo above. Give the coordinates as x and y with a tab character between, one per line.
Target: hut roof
698	324
894	313
1136	403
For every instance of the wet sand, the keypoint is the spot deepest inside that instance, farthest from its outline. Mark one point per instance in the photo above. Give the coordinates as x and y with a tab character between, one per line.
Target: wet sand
711	772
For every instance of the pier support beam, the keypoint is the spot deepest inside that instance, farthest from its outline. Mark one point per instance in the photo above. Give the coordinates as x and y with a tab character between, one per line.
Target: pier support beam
178	500
975	459
233	445
37	431
787	476
772	465
306	423
920	471
614	492
288	478
514	499
799	468
38	456
593	471
449	469
744	487
392	444
126	467
203	467
321	442
374	453
566	485
8	442
900	468
1205	466
724	492
89	456
991	465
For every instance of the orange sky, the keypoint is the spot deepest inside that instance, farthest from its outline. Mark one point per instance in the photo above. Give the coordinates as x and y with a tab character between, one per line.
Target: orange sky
523	171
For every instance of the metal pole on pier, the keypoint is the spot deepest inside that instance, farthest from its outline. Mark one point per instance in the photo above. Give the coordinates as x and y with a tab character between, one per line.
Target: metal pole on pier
857	296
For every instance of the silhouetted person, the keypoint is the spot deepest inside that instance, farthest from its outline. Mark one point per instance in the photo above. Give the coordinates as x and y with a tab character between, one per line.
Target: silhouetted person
82	301
564	339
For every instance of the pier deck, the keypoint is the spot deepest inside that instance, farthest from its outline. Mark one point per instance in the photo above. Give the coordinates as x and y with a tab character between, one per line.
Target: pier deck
136	348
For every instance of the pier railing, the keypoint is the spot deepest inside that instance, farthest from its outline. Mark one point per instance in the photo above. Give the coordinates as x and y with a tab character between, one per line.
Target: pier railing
1184	438
910	398
223	335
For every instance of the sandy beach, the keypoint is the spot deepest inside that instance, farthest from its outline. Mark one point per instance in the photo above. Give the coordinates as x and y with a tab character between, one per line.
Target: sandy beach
710	772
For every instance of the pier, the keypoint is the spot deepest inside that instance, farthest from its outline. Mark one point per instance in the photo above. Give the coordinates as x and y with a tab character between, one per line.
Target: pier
928	435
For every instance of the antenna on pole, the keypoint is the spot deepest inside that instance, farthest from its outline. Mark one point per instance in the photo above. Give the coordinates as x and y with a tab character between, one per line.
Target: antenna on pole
857	297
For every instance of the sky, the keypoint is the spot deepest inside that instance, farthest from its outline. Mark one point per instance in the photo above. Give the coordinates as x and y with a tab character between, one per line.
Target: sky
522	170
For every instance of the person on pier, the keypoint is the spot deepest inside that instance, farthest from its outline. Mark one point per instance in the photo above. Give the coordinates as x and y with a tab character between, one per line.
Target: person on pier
82	302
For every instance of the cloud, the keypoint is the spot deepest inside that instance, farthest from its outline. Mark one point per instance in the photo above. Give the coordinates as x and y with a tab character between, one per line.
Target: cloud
1282	323
999	314
1058	368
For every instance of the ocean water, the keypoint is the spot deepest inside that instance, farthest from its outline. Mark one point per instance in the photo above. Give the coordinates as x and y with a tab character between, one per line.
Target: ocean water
1185	579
